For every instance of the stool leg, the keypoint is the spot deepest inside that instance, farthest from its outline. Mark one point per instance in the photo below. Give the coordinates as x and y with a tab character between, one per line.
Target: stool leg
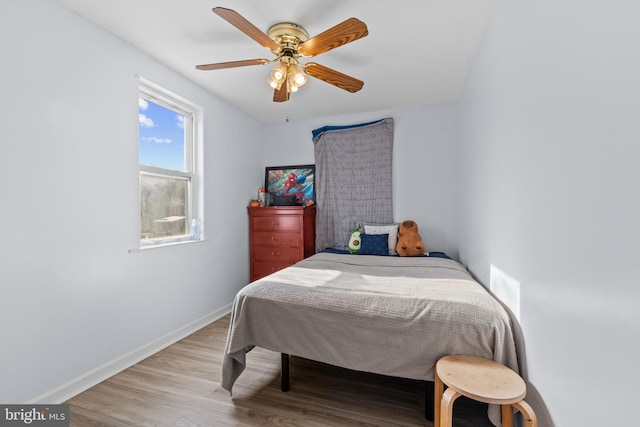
446	408
530	419
438	389
507	416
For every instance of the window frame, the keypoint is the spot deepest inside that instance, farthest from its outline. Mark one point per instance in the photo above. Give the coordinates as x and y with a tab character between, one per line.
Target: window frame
193	172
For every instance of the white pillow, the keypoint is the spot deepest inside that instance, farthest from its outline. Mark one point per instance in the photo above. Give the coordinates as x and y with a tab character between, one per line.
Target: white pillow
390	229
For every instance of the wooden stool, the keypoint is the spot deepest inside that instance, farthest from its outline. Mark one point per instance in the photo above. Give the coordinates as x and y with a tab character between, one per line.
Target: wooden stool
482	380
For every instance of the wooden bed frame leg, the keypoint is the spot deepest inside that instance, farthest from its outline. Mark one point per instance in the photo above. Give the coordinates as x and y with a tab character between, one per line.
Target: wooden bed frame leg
284	373
428	400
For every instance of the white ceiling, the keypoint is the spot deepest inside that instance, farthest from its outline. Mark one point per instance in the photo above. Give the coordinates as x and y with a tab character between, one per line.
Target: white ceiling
417	52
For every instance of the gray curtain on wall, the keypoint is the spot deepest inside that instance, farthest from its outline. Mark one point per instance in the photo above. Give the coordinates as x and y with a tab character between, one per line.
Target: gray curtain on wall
353	179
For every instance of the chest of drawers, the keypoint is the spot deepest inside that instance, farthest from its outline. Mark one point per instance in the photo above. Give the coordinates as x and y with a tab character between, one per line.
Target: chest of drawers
279	236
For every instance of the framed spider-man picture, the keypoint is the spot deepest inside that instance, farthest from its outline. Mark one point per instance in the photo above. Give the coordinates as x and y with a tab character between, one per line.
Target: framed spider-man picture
290	185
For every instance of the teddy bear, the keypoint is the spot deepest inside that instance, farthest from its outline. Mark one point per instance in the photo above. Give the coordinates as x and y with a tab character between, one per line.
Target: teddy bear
409	241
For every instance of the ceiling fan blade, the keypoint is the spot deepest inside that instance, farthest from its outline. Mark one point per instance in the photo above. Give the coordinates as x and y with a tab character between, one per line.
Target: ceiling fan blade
350	30
281	94
232	64
238	21
334	77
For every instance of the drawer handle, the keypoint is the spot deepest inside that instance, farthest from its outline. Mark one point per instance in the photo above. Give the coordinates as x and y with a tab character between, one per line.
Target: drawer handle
275	224
275	239
275	253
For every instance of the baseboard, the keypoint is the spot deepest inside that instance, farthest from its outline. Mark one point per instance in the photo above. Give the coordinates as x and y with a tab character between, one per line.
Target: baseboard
109	369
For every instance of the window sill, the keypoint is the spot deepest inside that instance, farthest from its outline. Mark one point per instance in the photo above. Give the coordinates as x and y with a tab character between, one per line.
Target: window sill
165	245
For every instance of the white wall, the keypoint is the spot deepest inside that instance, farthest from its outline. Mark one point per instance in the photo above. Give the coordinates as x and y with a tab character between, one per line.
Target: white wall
73	297
550	152
424	157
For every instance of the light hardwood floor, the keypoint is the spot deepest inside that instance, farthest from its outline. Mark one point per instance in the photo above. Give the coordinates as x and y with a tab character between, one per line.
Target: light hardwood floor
179	386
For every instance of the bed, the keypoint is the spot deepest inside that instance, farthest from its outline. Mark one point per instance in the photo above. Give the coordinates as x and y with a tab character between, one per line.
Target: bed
387	315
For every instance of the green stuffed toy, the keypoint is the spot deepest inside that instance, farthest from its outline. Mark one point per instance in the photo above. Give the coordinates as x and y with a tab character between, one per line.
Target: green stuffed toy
354	241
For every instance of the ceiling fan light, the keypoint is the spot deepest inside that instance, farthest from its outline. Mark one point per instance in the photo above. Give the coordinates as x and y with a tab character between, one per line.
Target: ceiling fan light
296	76
273	83
279	72
300	79
278	75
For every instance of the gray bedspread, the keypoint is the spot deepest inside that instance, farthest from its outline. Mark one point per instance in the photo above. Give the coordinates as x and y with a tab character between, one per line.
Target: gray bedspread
387	315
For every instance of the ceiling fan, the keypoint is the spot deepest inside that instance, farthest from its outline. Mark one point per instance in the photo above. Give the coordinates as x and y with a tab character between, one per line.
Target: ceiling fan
289	42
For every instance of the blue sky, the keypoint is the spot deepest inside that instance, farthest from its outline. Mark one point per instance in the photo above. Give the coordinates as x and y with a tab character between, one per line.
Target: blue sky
161	136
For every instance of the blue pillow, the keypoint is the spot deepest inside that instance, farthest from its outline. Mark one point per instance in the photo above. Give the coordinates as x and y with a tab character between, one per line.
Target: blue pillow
374	244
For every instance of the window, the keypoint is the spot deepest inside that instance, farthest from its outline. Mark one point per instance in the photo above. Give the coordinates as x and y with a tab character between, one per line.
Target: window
170	188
